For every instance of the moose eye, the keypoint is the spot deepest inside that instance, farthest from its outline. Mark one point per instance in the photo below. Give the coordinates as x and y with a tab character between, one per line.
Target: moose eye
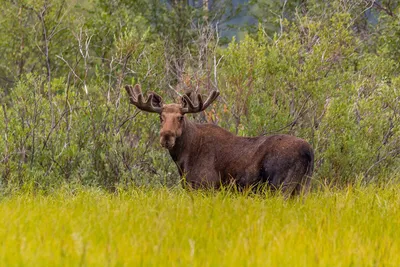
180	118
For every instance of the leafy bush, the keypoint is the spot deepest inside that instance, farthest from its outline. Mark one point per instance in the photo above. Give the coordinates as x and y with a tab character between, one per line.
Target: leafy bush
66	119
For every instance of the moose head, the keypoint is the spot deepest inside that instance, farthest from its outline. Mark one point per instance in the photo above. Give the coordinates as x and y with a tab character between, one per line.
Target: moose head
172	116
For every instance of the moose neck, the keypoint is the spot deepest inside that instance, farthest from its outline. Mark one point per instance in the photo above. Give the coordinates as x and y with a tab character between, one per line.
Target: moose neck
183	143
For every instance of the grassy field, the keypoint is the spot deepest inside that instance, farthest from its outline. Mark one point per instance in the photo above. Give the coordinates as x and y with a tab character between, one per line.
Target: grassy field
164	227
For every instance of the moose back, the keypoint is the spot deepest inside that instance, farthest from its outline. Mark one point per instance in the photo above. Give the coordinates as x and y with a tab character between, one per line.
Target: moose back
208	156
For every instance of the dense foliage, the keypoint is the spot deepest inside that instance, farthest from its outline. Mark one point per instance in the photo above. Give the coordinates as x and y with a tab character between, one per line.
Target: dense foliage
326	71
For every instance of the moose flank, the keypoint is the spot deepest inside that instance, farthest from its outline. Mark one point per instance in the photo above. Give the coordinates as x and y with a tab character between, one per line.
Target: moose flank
208	156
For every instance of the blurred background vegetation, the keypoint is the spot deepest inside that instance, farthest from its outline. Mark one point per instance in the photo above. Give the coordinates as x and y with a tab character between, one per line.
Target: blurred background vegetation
326	71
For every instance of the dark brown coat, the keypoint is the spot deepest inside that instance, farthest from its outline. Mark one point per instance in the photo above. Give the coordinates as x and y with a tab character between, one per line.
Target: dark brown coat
209	156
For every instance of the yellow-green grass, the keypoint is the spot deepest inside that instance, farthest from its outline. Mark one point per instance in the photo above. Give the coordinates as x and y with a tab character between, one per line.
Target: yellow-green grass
164	227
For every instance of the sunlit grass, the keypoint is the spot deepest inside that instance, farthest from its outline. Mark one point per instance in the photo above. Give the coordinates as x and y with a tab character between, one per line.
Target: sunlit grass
352	227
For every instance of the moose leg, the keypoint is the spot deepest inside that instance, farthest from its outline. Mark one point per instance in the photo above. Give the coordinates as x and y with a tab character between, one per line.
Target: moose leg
303	187
289	176
297	181
208	179
278	179
289	183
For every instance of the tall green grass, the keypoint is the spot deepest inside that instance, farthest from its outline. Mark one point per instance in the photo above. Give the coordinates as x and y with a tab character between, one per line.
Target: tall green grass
167	227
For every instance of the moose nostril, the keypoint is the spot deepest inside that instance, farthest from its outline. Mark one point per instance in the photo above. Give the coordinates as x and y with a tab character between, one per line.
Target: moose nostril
167	139
167	134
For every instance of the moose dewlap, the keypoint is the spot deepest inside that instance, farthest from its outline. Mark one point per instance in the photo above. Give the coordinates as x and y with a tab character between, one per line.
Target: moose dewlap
208	156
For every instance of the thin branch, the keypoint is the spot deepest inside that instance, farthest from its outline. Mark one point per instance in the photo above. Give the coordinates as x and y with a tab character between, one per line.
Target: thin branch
382	8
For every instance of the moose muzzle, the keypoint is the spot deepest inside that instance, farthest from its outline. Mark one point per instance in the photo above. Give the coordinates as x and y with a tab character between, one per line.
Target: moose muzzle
167	139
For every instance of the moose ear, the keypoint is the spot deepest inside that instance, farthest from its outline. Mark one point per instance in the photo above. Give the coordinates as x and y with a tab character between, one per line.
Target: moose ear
156	100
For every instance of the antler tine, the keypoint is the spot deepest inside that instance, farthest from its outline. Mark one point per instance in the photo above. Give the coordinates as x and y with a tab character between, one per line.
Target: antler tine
131	94
201	105
136	98
191	107
214	94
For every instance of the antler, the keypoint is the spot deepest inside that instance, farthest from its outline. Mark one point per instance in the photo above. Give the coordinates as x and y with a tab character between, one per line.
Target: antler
152	104
189	107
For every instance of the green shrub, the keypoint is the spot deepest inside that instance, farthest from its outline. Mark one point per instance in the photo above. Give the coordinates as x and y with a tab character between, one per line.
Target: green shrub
66	118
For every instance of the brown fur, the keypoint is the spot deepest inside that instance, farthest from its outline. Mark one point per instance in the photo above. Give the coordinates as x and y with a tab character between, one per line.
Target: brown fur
207	156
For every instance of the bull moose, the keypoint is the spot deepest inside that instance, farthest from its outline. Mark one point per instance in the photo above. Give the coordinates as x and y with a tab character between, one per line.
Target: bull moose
208	156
